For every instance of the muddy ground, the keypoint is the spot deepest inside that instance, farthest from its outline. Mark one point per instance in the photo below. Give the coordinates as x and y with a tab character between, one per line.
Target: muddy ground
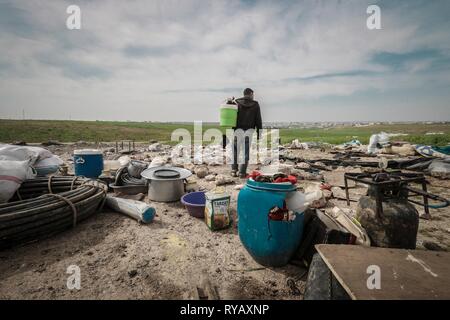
122	259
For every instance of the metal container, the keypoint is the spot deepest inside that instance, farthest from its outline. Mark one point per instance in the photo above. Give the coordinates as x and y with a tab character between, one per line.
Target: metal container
128	189
136	167
166	184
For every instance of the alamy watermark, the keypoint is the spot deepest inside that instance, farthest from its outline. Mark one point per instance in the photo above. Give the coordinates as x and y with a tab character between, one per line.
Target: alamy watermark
73	21
374	280
74	280
209	147
373	22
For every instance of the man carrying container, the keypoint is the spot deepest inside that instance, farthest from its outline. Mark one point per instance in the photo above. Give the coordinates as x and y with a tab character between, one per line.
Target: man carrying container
248	119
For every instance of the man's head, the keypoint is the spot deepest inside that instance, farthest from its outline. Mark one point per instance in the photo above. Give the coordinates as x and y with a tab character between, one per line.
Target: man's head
248	93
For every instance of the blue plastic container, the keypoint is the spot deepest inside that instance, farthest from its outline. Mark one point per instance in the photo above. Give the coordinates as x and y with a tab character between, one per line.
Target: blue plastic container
88	163
271	243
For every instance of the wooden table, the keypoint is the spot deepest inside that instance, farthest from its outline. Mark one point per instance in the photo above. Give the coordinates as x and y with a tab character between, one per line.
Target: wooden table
405	274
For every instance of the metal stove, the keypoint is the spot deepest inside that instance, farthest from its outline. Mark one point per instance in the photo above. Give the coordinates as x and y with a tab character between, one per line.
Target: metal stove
395	185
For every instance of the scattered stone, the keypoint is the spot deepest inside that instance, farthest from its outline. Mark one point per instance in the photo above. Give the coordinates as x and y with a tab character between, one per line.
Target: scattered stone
318	204
294	290
201	172
286	168
155	147
132	273
327	194
338	193
336	179
157	162
52	143
223	180
302	165
296	144
433	246
303	175
210	177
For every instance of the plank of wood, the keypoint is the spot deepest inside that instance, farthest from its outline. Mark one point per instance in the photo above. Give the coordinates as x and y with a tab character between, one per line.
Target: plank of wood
405	274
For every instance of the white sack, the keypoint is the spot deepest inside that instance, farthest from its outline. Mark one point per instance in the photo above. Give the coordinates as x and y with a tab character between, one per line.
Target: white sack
12	174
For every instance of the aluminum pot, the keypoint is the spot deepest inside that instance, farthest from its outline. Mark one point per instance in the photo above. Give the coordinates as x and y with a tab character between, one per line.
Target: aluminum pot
136	167
166	184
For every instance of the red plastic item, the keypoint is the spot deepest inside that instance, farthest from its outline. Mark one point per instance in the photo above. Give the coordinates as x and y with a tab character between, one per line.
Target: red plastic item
325	186
254	174
290	178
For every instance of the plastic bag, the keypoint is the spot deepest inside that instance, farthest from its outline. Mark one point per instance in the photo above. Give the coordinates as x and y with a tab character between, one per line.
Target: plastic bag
22	153
440	168
378	141
48	165
12	174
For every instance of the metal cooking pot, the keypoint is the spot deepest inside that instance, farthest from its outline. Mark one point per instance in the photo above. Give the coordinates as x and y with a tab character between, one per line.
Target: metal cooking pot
166	184
136	167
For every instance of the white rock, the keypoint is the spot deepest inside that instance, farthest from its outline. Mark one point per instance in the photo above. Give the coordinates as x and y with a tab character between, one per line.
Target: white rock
158	161
302	165
223	180
201	172
155	147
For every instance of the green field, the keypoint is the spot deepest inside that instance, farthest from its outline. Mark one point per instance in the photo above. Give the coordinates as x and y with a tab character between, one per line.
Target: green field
35	131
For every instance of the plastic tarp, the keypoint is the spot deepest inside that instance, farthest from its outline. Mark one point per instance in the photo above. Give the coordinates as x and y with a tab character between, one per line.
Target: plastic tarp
377	142
432	151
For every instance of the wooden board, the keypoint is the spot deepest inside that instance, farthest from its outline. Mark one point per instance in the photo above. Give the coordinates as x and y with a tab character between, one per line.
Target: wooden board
405	274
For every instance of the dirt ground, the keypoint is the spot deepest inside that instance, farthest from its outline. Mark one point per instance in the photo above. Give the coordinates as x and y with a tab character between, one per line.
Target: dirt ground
122	259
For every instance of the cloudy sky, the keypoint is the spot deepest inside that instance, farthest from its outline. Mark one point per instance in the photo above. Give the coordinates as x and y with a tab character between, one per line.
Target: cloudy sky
169	60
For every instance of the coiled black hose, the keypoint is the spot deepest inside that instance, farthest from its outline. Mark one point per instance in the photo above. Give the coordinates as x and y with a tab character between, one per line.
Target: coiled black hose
45	206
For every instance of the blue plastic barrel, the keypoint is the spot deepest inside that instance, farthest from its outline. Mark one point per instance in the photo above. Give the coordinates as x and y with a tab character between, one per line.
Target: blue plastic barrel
271	243
88	163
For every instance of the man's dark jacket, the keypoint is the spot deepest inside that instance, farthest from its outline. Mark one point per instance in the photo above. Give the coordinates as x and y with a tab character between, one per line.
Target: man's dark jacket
249	115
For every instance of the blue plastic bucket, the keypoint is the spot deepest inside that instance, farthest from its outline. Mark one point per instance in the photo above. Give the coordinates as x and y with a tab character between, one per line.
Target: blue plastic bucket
88	163
271	243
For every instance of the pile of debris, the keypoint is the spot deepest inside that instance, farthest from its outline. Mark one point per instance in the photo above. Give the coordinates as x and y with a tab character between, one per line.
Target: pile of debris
303	195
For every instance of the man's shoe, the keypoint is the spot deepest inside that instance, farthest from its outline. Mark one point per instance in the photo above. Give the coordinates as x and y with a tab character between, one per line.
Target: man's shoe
242	175
234	173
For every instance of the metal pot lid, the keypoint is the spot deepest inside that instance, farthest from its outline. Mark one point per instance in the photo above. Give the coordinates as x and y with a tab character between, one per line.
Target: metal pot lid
166	173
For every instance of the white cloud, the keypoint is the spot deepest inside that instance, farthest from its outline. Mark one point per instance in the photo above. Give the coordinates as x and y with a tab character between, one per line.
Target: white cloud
168	60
